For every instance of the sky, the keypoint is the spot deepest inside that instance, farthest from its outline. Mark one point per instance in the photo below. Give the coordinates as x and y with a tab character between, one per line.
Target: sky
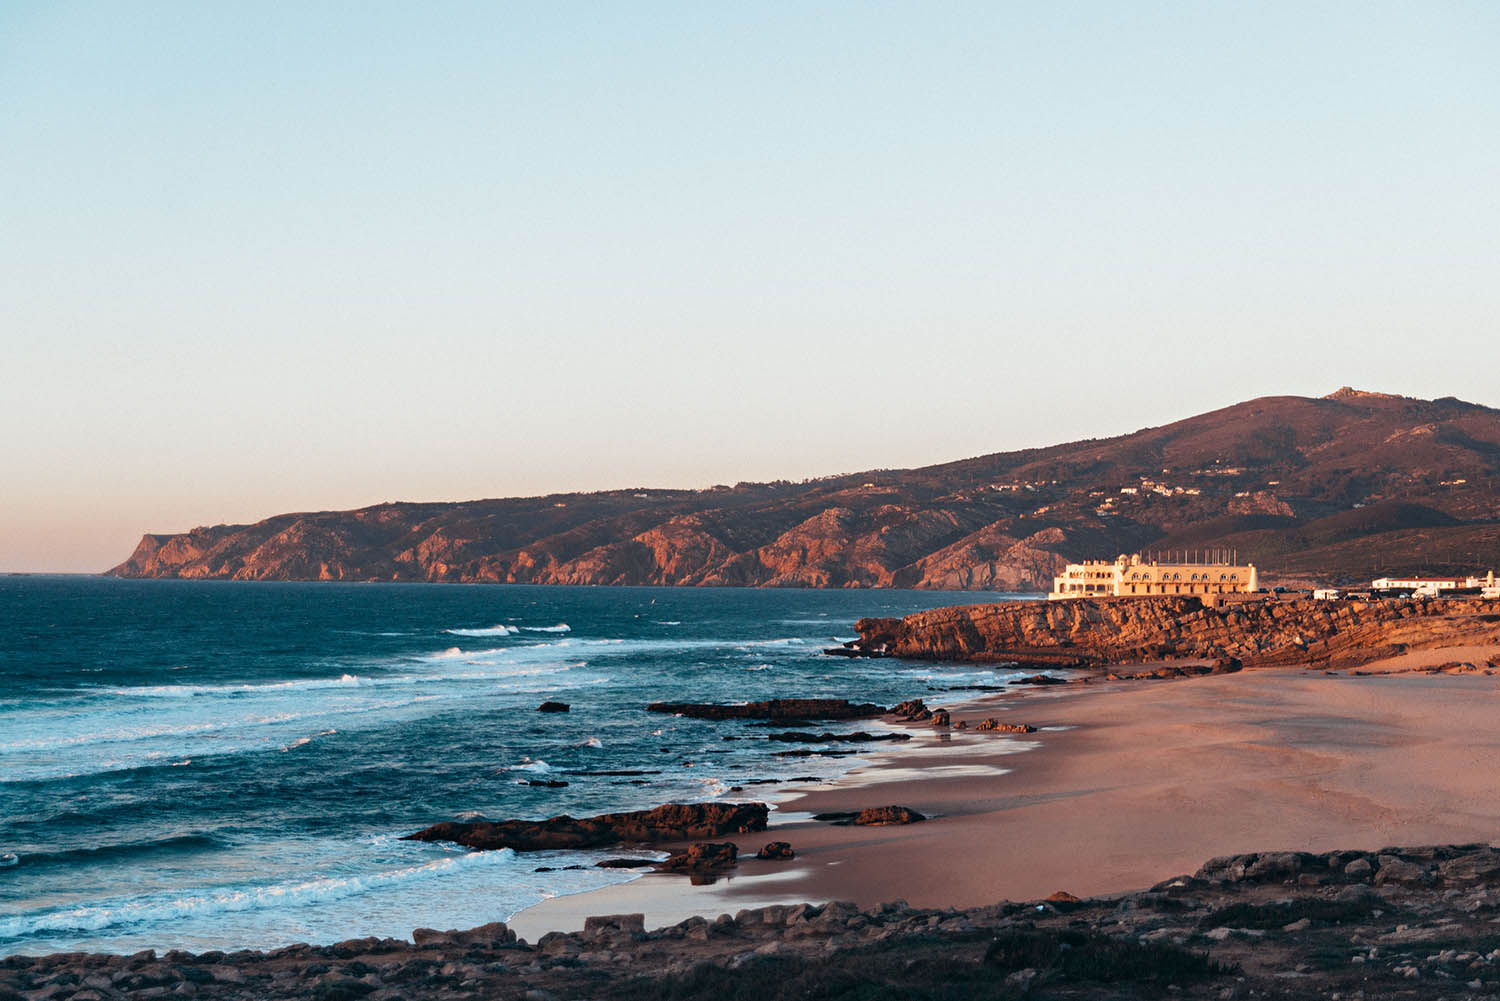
263	257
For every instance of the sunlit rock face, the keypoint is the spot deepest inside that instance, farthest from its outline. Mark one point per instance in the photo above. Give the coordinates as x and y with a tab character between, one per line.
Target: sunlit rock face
1341	489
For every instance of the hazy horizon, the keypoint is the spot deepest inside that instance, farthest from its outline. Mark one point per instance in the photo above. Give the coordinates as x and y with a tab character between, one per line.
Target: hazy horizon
263	259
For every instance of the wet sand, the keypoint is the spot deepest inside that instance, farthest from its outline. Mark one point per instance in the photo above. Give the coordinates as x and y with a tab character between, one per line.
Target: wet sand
1127	782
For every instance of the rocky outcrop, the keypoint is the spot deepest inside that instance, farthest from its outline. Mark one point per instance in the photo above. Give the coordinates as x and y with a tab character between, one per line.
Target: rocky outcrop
703	858
858	737
993	725
1336	634
873	816
772	709
673	822
1340	487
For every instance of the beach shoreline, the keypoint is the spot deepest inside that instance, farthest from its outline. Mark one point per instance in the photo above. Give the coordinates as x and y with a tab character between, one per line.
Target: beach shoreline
1123	783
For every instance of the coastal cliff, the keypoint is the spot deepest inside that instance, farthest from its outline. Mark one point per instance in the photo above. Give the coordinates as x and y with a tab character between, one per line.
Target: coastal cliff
1343	488
1336	634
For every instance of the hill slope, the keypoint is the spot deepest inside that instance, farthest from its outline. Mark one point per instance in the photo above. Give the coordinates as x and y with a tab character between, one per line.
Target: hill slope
1344	487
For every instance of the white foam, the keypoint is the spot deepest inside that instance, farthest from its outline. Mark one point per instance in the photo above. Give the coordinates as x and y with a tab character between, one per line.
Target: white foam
591	742
490	631
527	765
561	627
304	741
169	907
194	691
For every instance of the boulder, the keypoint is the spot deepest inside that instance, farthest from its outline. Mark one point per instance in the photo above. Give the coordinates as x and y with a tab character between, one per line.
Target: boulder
858	737
880	816
703	857
629	924
776	850
553	707
772	709
993	725
673	822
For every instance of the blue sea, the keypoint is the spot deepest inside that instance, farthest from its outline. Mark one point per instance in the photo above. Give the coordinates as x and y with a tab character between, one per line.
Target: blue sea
220	765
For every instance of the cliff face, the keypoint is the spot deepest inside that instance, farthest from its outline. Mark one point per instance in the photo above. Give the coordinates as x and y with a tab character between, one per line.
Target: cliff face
1337	634
1347	487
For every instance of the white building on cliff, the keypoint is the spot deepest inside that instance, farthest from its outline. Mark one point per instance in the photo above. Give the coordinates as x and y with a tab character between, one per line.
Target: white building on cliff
1209	574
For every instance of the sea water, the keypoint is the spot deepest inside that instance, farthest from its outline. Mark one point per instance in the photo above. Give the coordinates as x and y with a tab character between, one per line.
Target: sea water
221	765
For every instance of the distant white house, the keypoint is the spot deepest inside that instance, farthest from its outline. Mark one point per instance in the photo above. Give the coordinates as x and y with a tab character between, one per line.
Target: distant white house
1434	586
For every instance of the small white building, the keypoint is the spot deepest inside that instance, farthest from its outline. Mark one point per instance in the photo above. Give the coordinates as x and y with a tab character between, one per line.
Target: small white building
1431	587
1428	585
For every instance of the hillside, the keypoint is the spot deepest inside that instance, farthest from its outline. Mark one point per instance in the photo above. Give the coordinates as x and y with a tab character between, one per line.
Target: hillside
1343	488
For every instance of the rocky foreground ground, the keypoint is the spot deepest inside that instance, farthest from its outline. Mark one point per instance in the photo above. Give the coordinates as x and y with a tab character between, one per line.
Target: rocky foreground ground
1418	923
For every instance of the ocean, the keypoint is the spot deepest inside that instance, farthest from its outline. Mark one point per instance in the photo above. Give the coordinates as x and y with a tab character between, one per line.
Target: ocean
221	765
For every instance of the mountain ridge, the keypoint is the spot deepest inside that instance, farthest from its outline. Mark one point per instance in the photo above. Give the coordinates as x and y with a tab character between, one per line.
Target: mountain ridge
1339	487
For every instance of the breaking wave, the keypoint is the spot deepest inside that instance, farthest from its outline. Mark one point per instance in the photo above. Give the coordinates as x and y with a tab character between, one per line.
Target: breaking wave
194	691
182	844
169	907
491	631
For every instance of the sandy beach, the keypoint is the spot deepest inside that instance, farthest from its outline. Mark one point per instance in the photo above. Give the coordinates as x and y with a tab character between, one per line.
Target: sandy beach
1125	783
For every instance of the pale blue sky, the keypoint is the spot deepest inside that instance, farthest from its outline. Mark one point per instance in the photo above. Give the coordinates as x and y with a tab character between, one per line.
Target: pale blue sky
261	257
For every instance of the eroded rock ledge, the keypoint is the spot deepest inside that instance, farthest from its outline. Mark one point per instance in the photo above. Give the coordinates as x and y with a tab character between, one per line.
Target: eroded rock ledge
1411	923
773	709
1084	632
672	822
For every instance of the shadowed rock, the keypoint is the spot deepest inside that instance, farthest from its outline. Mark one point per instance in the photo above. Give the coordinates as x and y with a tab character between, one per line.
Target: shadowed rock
873	816
773	709
859	737
703	857
673	822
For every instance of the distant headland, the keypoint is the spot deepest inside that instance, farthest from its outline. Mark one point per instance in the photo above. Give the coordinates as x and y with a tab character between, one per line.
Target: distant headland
1336	489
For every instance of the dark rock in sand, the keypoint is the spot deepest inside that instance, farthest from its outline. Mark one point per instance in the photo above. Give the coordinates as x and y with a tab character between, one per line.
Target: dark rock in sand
996	726
776	851
673	822
553	707
773	709
941	717
1040	679
873	816
703	857
624	863
912	710
876	816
